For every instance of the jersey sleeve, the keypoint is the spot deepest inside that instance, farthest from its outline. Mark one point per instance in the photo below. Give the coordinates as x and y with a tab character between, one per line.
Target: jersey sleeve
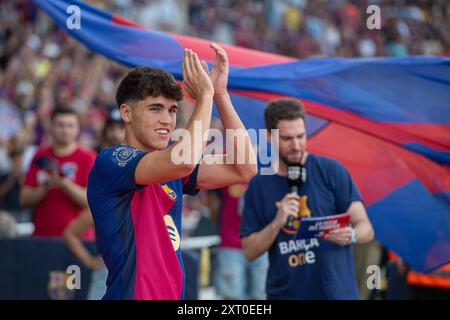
190	182
345	189
252	219
114	170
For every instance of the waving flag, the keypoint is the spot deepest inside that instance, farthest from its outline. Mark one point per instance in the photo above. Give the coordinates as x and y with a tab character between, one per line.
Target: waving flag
386	119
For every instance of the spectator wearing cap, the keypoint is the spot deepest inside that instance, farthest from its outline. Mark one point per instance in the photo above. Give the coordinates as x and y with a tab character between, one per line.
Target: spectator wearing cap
113	131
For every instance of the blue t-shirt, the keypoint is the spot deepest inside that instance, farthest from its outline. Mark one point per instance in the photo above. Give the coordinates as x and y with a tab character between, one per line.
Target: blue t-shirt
305	268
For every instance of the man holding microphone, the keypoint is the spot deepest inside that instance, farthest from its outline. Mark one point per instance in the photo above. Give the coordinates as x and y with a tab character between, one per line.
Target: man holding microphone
303	268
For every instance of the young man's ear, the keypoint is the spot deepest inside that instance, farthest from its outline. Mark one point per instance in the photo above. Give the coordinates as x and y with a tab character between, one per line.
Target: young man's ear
125	112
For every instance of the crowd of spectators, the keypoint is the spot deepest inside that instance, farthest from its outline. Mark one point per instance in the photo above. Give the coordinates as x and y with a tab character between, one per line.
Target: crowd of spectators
41	67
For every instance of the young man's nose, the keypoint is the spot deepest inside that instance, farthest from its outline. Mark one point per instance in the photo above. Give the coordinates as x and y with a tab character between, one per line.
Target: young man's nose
165	119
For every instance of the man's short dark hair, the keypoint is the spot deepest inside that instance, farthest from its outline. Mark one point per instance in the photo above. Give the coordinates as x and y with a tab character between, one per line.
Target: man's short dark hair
283	109
61	110
143	82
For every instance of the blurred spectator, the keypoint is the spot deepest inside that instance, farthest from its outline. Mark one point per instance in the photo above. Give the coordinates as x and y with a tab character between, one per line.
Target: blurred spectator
55	185
19	151
72	233
113	131
113	134
197	217
234	276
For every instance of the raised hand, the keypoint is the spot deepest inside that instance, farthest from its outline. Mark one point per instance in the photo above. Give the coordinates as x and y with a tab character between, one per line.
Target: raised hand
195	77
287	207
219	70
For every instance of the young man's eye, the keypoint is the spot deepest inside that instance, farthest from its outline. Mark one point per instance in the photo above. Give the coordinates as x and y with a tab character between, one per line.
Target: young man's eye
173	110
154	109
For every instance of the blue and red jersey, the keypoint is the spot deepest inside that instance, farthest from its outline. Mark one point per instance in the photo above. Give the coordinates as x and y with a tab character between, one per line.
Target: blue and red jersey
138	227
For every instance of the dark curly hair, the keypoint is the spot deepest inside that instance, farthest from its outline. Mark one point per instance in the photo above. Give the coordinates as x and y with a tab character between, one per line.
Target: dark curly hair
142	82
283	109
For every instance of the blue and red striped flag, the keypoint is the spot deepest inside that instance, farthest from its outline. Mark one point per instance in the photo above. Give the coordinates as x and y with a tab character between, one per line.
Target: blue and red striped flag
386	119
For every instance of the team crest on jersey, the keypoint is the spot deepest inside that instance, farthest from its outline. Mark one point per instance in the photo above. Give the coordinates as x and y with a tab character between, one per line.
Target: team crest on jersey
69	170
123	155
302	212
173	232
172	194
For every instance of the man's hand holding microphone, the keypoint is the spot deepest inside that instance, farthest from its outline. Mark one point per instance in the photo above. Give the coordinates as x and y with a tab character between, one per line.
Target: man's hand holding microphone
288	207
